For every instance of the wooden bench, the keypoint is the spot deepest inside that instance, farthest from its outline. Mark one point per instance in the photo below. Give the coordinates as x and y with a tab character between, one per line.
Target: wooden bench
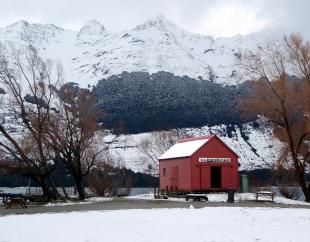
197	197
16	201
265	194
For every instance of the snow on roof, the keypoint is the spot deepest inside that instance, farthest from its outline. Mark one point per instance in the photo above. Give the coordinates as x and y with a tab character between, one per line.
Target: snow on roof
184	148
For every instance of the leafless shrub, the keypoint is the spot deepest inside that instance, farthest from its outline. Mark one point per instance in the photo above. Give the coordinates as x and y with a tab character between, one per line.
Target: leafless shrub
150	148
290	192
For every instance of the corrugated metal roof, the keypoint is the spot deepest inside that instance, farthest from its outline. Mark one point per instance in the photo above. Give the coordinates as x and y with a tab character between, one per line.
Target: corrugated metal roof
184	148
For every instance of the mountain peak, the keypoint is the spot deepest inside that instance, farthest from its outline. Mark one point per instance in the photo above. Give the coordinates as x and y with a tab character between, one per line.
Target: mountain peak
157	22
19	24
23	25
92	27
159	18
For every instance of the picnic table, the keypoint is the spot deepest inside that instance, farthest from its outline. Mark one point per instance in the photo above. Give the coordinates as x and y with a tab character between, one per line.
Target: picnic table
11	199
16	201
196	197
265	194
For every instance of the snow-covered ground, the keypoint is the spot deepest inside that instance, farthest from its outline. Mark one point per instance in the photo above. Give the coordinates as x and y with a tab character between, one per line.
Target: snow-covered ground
206	224
37	190
222	197
86	201
147	194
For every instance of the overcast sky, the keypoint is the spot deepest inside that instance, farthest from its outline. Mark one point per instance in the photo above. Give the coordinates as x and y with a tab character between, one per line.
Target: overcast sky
217	17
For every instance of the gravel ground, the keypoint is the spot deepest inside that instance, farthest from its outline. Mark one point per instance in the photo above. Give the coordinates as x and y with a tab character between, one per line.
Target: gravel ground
123	203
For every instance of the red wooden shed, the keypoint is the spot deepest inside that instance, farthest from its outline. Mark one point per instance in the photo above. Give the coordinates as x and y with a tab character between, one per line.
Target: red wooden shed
199	165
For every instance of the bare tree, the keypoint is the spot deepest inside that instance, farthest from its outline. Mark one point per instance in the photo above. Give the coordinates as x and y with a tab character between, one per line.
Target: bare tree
150	148
75	133
24	74
103	175
283	100
56	123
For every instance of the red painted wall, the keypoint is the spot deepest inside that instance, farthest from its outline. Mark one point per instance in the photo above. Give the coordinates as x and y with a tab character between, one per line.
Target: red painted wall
177	174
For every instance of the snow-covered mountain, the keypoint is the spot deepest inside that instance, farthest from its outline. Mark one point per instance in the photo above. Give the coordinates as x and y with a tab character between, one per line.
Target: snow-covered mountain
93	53
155	45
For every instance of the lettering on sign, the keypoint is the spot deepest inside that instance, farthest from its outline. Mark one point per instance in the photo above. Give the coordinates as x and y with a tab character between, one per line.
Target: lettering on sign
207	159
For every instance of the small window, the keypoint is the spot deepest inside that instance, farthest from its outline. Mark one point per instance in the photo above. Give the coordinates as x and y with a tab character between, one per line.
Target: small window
164	172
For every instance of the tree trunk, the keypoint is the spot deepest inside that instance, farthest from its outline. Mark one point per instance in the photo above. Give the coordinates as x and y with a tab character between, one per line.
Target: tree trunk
40	180
45	191
55	194
307	194
305	189
64	192
299	172
301	179
81	191
77	177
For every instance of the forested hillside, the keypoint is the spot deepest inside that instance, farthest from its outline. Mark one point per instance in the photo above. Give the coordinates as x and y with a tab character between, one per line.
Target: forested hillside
140	102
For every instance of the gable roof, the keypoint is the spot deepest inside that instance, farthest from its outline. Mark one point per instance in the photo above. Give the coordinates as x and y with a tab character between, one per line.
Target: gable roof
187	147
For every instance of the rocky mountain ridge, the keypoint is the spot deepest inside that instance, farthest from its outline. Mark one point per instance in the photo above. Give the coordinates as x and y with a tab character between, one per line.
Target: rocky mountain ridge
93	52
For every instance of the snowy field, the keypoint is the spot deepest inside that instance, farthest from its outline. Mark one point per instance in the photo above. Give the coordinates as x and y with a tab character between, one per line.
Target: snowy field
222	197
86	201
206	224
147	194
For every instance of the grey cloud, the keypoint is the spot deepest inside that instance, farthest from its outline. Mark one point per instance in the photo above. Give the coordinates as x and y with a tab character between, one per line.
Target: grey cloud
121	14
